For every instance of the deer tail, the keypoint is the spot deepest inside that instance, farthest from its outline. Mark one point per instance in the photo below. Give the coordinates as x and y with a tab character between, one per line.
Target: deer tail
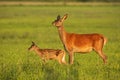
105	40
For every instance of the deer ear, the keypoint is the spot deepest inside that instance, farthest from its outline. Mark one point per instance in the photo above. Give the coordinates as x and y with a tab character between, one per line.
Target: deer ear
33	43
65	16
58	17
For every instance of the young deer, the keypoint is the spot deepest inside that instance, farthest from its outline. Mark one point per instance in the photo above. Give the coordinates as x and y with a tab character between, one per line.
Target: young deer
48	54
79	42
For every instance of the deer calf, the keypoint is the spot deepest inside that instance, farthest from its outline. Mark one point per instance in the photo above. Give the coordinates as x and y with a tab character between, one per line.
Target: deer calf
49	54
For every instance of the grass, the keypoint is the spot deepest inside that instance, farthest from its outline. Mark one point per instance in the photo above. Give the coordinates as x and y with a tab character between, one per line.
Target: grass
19	25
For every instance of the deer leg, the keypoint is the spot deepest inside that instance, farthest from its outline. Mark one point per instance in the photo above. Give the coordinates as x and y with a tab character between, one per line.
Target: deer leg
105	58
98	48
71	58
100	53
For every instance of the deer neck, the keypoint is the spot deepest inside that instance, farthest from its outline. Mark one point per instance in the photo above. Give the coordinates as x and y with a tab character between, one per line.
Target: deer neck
62	34
37	50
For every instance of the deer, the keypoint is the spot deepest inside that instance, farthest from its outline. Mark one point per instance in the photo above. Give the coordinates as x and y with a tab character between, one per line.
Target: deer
79	43
49	54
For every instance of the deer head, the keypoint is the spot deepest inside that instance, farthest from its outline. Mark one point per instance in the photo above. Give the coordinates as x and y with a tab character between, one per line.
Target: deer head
32	47
59	21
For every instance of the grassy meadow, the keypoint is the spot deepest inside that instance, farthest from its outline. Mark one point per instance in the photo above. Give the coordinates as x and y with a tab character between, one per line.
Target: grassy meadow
19	25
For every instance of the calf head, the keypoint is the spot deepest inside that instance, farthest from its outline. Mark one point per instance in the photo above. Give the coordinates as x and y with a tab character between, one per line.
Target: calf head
32	47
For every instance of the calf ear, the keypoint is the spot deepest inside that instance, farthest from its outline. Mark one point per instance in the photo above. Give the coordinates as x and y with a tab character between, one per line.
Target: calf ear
58	17
65	16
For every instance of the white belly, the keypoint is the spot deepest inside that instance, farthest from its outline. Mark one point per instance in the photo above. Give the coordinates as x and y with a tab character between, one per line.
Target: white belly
82	49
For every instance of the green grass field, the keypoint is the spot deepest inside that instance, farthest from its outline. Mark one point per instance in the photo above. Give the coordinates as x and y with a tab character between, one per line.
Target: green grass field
19	25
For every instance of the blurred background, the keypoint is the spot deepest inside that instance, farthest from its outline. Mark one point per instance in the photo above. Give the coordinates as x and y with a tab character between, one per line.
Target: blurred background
67	0
59	2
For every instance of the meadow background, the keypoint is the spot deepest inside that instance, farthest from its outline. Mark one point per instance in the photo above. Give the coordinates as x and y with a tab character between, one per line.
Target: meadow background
19	25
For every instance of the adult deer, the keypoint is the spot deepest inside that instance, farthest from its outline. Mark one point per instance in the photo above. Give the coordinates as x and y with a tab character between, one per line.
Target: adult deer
79	42
49	54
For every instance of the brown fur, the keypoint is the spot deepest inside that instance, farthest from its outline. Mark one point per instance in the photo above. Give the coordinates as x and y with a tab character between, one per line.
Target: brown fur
49	54
80	42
